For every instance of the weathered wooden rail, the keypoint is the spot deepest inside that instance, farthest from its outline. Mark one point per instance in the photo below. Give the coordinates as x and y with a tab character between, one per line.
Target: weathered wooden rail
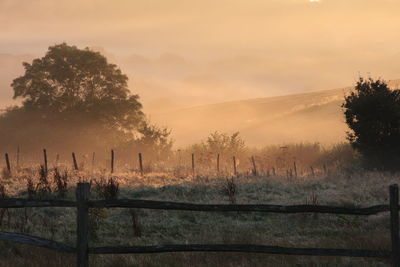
82	249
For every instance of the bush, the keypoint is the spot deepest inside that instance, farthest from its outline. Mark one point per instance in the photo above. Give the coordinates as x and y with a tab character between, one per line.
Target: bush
107	188
61	181
43	188
372	112
340	155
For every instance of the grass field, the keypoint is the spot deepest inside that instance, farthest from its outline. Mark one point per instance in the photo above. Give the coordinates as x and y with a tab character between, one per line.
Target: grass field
149	227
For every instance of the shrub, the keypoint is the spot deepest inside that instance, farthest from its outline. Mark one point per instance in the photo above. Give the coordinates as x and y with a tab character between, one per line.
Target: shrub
43	188
107	188
372	112
341	155
61	181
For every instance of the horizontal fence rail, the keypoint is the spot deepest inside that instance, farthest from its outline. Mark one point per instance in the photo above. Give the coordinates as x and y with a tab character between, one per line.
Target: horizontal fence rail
241	248
30	203
163	205
36	241
83	204
45	243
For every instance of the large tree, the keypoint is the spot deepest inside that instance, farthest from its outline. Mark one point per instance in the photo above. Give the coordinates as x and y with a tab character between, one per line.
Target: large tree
372	112
71	80
75	99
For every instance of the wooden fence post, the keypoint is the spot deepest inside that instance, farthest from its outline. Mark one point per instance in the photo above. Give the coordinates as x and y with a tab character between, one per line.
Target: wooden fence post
394	224
8	162
93	158
141	164
234	166
74	161
254	166
45	160
295	168
18	157
218	163
193	164
82	196
112	160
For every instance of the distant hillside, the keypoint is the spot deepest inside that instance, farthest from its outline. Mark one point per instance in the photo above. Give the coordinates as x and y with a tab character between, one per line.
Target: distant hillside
308	117
167	82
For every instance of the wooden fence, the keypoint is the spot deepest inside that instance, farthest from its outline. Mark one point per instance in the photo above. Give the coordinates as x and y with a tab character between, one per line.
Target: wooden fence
82	249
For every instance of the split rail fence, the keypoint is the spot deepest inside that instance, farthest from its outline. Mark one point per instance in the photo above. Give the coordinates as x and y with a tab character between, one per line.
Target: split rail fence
83	203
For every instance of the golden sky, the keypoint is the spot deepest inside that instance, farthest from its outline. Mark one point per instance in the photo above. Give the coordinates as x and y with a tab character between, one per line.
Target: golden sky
231	48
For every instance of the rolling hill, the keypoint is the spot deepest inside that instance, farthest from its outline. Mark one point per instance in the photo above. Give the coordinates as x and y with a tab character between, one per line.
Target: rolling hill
307	117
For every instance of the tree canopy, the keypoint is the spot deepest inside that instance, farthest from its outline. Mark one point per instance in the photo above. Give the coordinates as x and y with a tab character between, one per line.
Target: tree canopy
372	112
74	97
71	80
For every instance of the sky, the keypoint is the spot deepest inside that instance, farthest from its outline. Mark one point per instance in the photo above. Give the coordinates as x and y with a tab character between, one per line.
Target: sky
186	52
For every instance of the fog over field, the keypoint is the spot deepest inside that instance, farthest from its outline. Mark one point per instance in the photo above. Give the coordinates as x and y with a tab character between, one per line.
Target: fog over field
174	57
182	56
196	98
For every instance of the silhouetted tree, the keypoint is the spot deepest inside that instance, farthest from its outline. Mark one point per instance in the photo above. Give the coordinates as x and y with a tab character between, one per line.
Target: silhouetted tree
74	98
71	80
372	112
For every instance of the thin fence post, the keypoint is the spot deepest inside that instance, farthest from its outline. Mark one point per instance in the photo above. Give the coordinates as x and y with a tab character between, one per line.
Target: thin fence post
218	163
140	163
82	196
394	224
112	160
193	164
18	157
45	159
234	166
254	166
295	168
93	158
8	162
74	161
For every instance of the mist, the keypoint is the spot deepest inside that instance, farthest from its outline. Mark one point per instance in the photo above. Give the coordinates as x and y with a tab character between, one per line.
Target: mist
183	54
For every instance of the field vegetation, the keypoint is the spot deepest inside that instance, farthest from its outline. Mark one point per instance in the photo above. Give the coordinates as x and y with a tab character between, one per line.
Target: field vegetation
287	174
